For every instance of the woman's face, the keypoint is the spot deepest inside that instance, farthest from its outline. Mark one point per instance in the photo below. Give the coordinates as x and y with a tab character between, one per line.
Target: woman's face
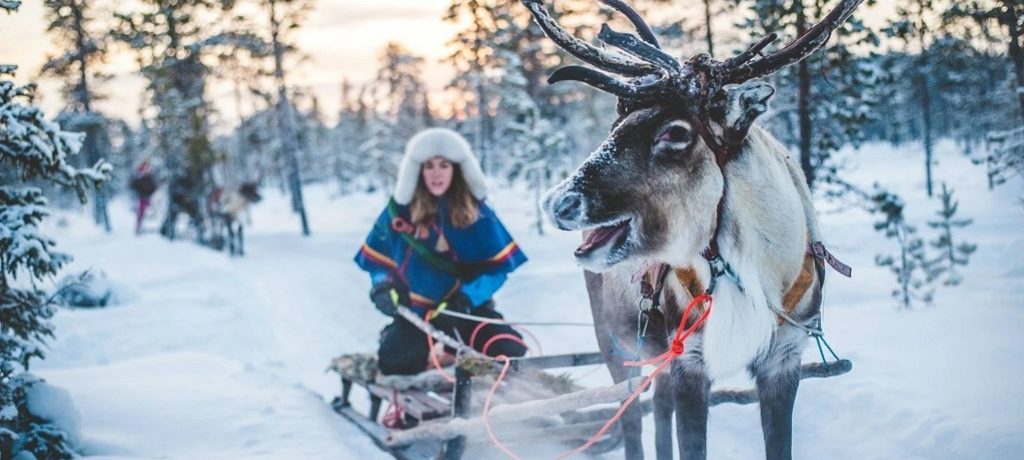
437	175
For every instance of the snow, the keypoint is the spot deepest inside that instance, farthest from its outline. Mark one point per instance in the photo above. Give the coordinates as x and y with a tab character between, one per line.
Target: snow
54	404
222	358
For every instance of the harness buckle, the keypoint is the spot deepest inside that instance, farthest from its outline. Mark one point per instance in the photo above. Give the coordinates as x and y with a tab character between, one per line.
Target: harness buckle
720	267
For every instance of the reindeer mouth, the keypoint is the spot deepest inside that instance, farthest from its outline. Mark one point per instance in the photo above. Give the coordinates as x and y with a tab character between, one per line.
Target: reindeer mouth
609	239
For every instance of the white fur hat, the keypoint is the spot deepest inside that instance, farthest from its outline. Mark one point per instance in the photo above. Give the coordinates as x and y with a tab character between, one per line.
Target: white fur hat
442	142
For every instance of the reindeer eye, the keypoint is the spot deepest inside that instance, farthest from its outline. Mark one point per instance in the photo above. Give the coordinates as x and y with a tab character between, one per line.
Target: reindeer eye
675	135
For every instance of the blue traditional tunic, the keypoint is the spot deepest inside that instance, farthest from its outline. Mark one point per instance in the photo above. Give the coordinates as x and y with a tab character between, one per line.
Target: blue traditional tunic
486	246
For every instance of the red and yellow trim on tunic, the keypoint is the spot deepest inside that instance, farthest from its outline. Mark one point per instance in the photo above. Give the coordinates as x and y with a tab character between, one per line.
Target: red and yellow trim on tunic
504	254
377	257
422	301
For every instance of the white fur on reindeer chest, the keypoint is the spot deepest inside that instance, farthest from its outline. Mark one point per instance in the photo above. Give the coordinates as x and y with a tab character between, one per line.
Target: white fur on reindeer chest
763	238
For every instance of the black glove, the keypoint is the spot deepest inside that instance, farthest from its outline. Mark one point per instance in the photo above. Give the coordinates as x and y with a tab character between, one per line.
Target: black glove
386	296
459	302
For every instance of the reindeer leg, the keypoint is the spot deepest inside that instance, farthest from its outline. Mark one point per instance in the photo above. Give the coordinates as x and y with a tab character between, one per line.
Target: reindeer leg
778	378
231	236
692	389
241	239
663	408
632	419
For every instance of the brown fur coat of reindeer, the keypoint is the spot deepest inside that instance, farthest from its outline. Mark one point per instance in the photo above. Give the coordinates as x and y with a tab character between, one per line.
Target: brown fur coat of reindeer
685	179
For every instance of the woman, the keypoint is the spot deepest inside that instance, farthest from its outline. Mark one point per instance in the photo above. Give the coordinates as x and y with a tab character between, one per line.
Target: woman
438	246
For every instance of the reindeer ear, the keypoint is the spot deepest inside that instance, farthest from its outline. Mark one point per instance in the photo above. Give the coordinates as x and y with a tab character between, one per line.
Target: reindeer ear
739	106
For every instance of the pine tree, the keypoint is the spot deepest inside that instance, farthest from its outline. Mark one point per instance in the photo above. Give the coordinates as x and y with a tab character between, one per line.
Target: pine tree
1006	155
951	254
171	41
71	23
822	102
350	166
915	26
908	266
294	11
31	148
536	149
999	22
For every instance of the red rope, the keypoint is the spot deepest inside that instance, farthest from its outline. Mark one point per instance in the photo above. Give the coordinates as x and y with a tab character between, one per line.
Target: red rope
394	416
660	362
433	357
505	336
476	330
487	408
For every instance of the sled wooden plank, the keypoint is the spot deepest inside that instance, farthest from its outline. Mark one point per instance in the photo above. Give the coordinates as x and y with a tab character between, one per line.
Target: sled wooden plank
553	361
569	433
416	403
807	371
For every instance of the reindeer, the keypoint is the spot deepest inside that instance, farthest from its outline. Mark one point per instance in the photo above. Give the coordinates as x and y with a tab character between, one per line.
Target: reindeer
686	183
226	209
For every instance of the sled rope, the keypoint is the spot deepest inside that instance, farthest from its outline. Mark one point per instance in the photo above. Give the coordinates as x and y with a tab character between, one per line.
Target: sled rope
434	360
506	363
522	330
483	319
394	416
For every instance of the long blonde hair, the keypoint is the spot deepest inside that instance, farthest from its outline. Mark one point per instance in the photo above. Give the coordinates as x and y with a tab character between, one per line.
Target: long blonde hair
464	210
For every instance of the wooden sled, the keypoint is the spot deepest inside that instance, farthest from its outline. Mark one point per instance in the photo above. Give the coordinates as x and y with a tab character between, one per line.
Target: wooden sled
430	403
444	418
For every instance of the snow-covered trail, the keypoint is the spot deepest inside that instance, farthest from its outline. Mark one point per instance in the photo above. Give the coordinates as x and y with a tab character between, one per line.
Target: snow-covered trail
224	358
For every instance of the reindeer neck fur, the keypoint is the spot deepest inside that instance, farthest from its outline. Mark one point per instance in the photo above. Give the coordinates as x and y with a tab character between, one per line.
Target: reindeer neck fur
765	246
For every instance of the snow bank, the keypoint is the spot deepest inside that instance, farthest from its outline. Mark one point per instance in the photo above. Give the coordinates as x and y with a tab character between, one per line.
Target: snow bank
55	404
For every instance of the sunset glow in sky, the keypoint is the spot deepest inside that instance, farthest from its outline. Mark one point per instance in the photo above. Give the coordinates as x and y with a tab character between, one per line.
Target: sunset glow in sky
342	39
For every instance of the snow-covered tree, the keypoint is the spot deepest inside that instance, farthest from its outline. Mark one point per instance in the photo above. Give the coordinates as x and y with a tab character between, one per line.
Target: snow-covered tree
348	135
285	15
822	102
952	254
1000	22
402	93
1006	155
536	149
71	23
916	24
909	264
31	148
171	41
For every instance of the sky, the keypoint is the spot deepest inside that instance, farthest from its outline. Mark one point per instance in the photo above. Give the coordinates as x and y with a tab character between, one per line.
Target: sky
341	38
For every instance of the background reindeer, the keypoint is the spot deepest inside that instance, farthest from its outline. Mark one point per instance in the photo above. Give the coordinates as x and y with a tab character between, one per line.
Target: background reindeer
226	209
685	179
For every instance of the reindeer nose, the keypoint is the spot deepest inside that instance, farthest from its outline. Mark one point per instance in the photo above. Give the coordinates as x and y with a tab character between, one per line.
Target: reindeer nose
568	209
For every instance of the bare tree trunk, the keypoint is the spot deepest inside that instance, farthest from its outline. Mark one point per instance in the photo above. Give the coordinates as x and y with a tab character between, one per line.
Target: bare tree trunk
1010	20
99	202
286	122
926	104
707	26
904	268
804	102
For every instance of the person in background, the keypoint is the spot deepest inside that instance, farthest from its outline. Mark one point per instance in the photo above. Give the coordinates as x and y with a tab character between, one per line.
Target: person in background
438	246
144	184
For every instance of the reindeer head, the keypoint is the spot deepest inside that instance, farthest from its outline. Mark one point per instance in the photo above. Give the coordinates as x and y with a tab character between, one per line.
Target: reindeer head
653	187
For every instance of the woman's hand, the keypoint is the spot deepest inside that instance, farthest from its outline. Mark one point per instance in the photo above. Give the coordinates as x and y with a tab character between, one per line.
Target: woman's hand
386	297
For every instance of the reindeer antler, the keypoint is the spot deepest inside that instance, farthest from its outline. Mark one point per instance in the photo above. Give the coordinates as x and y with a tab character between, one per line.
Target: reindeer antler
742	68
656	74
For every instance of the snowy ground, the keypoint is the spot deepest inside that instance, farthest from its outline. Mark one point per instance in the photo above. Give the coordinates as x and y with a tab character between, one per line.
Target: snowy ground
220	358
